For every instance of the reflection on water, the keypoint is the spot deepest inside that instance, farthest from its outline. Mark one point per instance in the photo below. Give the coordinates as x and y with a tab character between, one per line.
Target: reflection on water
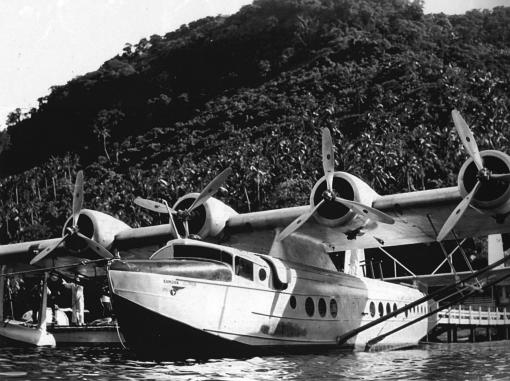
483	361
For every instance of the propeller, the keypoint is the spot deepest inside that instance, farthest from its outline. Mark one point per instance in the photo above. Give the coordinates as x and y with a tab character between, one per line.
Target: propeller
73	231
185	214
159	207
328	164
484	174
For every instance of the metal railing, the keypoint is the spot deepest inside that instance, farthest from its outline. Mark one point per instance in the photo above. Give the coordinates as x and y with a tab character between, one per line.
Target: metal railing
460	315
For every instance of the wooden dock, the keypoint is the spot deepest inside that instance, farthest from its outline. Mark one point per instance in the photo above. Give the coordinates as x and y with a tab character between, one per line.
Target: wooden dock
492	321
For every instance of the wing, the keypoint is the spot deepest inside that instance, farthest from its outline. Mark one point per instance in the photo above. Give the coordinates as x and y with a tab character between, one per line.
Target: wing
418	217
14	250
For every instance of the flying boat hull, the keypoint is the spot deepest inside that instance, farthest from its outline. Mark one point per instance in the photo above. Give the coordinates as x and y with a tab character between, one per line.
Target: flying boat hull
164	312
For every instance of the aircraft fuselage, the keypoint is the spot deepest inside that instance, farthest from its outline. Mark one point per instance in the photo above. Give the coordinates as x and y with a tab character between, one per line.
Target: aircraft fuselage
198	299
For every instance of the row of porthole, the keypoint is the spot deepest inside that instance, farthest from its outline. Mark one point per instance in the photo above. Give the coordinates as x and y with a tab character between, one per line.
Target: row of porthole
416	309
321	306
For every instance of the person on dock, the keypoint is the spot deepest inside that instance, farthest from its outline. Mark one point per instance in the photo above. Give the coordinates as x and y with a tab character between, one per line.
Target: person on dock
55	291
77	301
34	296
106	302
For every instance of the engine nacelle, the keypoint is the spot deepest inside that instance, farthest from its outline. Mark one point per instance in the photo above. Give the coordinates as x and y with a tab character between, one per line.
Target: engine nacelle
208	220
345	186
98	226
493	195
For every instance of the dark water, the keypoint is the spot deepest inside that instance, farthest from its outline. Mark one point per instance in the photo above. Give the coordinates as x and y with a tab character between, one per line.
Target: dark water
482	361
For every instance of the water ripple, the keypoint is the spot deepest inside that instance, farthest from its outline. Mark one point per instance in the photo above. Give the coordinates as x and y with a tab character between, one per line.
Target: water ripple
482	361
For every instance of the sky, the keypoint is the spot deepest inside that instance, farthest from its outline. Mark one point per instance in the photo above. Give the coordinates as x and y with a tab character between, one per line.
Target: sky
46	43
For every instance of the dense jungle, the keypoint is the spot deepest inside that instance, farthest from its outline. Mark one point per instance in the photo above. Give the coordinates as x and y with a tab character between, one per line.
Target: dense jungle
251	91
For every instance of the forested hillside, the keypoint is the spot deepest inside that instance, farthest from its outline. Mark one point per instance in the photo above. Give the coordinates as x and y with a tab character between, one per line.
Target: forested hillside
252	91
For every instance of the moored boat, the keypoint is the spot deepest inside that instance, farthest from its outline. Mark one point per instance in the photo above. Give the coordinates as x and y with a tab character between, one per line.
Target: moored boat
14	332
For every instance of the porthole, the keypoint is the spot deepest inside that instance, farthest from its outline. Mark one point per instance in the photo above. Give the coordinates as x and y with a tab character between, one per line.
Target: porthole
407	313
388	309
321	306
293	302
262	274
309	306
372	309
381	309
333	308
395	307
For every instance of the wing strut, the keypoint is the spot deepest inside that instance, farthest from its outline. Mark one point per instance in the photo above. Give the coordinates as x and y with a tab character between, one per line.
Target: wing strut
470	291
459	245
395	260
447	256
439	293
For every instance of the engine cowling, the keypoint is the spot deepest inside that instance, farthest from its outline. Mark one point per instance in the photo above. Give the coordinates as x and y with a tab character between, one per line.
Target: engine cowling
98	226
493	195
208	220
346	186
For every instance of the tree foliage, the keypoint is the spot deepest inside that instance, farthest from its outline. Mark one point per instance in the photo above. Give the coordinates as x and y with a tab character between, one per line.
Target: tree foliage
252	91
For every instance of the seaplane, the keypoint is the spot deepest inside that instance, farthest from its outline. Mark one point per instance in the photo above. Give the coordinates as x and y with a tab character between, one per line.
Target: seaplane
214	282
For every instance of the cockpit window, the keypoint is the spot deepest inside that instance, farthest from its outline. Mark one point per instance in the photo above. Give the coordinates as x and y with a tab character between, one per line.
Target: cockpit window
190	251
244	268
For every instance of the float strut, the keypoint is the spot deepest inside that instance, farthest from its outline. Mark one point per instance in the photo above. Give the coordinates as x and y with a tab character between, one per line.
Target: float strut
343	338
377	339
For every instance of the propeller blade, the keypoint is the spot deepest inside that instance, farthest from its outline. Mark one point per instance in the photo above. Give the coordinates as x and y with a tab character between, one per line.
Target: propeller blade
77	197
297	223
501	176
211	189
155	206
457	214
47	250
171	221
467	138
367	211
328	157
96	247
